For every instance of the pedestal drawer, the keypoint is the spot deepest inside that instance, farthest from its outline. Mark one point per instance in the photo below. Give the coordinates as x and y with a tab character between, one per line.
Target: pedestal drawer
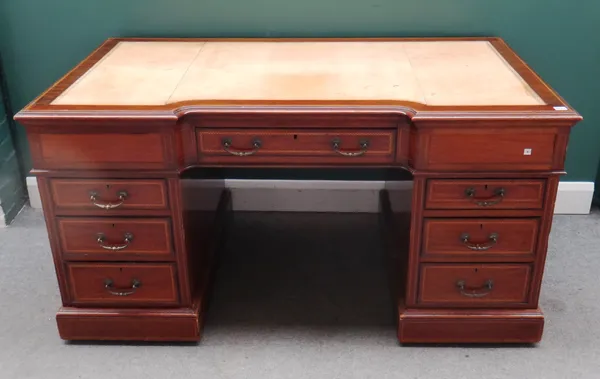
474	285
106	150
476	239
489	149
115	239
123	284
484	194
111	195
304	145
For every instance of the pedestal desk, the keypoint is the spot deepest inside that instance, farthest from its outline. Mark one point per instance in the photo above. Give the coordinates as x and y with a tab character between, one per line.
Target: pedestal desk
483	137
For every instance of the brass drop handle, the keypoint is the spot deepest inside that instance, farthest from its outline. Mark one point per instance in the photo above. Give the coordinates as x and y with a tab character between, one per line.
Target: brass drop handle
94	199
363	144
492	240
256	145
101	239
475	292
109	286
486	202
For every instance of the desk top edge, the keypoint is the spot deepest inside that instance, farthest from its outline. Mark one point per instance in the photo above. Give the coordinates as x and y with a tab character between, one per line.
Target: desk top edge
554	109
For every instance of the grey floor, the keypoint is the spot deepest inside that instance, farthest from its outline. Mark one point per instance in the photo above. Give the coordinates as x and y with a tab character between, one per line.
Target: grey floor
290	307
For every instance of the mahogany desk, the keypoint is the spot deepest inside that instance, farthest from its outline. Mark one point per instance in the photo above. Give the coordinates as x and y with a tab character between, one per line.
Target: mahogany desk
483	136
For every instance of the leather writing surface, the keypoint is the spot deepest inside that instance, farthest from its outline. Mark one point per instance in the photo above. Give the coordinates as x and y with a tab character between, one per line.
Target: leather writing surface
426	72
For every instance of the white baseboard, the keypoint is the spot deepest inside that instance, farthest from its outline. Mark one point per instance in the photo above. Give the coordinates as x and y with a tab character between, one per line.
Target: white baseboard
574	198
35	201
336	196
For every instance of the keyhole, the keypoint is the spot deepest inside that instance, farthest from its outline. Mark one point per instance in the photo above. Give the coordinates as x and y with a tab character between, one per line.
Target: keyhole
480	226
112	225
476	269
108	186
485	187
120	269
295	136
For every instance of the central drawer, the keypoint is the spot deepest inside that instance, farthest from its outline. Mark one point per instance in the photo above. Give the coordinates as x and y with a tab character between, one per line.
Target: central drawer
324	146
115	239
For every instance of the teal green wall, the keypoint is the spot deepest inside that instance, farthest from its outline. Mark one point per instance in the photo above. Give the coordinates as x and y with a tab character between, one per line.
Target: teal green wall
596	199
12	191
560	39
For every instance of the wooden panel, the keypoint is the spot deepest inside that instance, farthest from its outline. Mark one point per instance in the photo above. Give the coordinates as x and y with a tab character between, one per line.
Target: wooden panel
470	326
298	121
75	194
114	284
441	284
52	229
447	213
543	239
488	149
302	145
119	325
98	151
479	239
416	235
150	239
484	194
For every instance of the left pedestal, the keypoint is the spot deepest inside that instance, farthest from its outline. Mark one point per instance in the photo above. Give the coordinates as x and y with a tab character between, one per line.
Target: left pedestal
133	261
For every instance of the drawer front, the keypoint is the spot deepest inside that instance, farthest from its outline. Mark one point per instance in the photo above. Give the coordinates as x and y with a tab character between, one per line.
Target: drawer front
111	195
115	239
484	238
473	285
99	151
319	146
123	284
481	150
485	194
